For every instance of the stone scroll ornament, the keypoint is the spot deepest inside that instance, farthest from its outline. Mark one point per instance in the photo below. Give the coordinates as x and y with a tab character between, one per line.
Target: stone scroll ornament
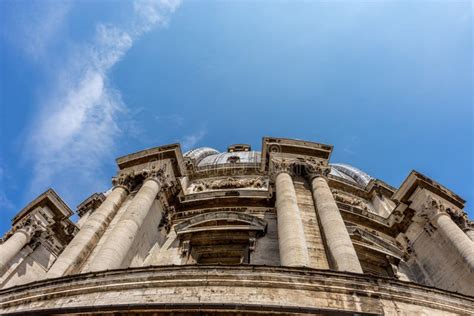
282	166
126	180
159	175
316	168
433	208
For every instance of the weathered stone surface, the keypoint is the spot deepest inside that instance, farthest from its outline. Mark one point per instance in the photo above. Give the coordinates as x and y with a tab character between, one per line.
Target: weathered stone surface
237	289
243	232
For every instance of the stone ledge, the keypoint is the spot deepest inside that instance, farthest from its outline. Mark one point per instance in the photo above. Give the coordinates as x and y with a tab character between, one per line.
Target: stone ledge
239	288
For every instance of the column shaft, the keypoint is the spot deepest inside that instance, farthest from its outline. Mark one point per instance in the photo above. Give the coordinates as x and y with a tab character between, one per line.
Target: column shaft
291	239
457	238
470	234
72	258
10	248
118	244
337	238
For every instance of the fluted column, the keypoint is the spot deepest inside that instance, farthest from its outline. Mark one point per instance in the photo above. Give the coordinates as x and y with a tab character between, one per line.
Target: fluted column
80	247
337	238
12	246
438	216
122	237
291	238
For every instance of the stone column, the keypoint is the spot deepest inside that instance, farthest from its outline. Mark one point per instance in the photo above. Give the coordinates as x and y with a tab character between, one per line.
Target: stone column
80	247
122	237
12	246
438	216
470	234
291	238
337	238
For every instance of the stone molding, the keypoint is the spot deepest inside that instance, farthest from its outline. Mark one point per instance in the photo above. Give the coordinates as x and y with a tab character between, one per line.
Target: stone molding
271	289
344	198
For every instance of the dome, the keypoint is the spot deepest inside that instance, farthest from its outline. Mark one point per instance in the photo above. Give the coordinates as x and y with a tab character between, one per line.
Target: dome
234	157
208	157
200	153
350	173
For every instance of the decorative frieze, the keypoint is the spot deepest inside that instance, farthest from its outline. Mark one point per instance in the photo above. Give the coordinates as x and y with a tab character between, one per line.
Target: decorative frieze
229	183
344	198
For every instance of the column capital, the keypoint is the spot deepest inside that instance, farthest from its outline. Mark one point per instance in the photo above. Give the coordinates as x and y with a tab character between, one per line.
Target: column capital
125	180
433	208
29	227
158	174
281	165
316	168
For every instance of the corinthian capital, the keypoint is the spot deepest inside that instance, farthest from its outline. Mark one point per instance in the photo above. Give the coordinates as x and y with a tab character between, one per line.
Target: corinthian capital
433	208
316	168
157	174
282	166
124	180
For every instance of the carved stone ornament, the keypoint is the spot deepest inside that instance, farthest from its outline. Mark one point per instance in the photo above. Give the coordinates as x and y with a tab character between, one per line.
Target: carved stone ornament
316	168
125	180
343	198
158	174
433	208
229	183
282	165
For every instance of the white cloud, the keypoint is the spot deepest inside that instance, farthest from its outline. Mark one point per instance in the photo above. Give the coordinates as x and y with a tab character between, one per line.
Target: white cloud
77	125
189	141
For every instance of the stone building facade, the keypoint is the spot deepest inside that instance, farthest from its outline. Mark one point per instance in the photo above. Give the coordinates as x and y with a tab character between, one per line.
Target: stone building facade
282	230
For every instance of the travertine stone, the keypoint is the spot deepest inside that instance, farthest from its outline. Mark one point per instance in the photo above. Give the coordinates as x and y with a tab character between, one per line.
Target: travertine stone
84	242
314	240
291	239
337	238
118	244
470	234
456	237
12	246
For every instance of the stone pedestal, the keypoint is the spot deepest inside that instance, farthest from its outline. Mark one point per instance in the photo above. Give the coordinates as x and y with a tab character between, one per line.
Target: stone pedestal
338	241
291	239
121	239
84	242
10	248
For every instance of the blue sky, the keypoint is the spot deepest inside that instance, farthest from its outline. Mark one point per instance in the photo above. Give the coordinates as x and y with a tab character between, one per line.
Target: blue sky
388	83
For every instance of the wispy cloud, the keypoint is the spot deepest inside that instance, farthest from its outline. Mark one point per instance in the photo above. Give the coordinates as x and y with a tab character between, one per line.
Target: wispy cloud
5	202
190	141
78	125
33	30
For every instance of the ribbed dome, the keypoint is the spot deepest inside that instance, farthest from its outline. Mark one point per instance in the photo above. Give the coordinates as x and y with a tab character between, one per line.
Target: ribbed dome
207	157
352	173
200	153
235	157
